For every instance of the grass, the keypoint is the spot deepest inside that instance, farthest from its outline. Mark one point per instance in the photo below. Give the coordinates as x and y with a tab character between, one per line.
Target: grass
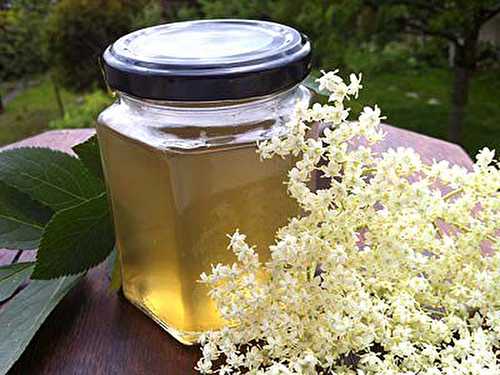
30	112
420	101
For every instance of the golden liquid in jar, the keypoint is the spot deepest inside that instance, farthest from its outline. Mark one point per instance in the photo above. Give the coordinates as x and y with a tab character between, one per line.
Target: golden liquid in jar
172	213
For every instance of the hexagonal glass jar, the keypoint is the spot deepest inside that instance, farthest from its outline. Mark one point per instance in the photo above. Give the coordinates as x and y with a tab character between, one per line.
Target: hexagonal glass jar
179	154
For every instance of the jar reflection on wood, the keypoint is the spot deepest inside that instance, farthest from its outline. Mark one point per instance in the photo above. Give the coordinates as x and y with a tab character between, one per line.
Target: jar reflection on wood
179	154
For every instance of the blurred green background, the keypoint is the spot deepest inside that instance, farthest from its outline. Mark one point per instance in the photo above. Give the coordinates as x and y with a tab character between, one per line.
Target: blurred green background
432	66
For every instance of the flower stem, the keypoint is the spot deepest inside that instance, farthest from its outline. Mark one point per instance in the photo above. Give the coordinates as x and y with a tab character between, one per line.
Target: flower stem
452	193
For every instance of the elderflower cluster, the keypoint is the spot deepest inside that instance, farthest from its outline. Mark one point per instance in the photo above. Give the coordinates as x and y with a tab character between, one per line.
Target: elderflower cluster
393	268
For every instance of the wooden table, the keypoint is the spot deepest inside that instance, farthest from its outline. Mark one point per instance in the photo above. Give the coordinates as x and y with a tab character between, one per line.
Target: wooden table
95	332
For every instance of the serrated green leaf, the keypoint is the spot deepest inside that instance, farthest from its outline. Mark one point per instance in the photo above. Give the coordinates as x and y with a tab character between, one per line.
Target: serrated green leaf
51	177
88	152
114	271
75	240
12	276
311	84
21	219
25	313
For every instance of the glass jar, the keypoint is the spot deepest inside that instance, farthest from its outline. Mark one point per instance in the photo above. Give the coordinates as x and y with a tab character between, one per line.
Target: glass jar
179	154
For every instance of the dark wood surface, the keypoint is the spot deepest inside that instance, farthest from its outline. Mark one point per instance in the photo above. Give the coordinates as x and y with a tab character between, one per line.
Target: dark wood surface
95	332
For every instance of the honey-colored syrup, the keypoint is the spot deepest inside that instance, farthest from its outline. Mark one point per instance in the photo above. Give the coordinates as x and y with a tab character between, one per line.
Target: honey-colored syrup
172	211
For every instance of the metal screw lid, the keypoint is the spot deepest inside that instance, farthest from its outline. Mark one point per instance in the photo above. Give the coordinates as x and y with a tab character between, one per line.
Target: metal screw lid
208	60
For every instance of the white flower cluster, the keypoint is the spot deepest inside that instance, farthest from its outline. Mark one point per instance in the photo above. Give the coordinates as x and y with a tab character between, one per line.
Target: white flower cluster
382	274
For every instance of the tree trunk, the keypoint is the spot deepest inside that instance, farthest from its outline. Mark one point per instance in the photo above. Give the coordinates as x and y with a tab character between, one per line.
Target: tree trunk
57	94
459	98
451	54
464	66
1	105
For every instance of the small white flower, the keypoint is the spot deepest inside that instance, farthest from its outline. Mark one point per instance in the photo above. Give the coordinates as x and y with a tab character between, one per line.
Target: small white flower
329	80
338	92
370	117
355	85
485	157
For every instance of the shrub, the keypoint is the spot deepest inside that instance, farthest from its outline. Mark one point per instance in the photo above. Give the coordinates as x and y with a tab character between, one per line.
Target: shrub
370	58
150	14
78	31
22	49
83	115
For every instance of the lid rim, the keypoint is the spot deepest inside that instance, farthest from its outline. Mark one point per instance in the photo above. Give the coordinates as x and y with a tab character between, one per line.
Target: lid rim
207	71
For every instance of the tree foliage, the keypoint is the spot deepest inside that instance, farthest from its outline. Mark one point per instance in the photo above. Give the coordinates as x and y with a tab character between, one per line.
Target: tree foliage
78	32
458	22
22	49
330	25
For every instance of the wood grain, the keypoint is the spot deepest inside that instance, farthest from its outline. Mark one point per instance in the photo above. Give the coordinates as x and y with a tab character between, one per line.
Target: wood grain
95	332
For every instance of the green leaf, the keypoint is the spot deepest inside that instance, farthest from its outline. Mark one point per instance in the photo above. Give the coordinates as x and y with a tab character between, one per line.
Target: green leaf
90	155
51	177
25	313
21	219
12	276
311	84
114	271
75	240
